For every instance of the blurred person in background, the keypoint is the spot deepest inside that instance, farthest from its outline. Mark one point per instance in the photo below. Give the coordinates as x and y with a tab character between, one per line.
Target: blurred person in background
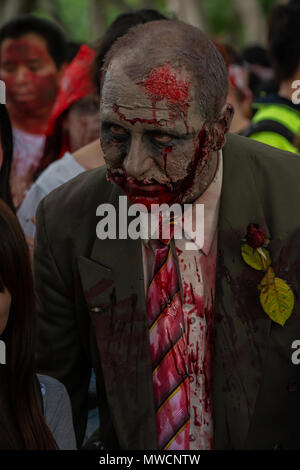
35	411
32	58
239	95
277	118
74	121
73	135
6	149
261	73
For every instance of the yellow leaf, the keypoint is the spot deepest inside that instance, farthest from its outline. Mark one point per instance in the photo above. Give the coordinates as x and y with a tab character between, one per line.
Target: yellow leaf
276	297
258	259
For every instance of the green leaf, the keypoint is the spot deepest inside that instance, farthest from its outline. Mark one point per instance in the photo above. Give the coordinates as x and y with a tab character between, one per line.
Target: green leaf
258	259
276	297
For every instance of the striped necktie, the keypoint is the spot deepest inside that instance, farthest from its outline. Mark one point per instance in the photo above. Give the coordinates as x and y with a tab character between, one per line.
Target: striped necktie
168	353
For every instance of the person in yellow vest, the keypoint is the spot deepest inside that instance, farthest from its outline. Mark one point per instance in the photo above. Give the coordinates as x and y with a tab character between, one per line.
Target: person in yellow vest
276	120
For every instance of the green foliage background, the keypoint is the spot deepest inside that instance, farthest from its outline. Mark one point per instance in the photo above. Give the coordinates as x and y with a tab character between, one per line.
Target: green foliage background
219	16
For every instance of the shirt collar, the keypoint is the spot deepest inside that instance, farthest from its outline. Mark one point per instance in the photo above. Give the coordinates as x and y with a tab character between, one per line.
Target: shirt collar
211	201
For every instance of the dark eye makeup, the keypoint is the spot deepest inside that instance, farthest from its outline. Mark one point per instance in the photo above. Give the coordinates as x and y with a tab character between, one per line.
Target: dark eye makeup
114	132
156	137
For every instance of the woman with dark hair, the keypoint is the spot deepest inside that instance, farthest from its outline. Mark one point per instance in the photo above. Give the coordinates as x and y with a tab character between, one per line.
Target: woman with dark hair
35	412
6	148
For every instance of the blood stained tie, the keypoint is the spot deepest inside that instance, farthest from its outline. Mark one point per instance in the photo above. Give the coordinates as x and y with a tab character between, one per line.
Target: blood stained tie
168	352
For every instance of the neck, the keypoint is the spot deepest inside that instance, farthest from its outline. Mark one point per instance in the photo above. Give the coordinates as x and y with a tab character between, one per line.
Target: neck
35	123
90	156
239	122
203	179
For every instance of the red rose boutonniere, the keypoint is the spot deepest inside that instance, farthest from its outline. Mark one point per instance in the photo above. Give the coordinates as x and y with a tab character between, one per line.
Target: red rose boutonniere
276	297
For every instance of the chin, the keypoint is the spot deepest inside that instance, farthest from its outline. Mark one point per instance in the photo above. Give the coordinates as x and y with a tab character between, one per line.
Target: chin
165	198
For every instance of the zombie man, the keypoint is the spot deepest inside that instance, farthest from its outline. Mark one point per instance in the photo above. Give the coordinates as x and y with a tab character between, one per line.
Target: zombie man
184	353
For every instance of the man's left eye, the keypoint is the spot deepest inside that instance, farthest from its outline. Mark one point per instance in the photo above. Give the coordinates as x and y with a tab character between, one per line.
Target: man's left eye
34	66
162	138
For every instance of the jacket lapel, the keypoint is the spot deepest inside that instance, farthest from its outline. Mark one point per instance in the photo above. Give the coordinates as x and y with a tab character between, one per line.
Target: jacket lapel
241	327
113	284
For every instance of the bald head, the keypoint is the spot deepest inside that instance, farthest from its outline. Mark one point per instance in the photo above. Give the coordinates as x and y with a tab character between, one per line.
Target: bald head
154	45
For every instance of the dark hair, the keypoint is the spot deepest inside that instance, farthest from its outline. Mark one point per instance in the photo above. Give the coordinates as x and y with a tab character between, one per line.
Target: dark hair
72	49
118	28
7	148
257	55
234	57
284	39
23	405
53	35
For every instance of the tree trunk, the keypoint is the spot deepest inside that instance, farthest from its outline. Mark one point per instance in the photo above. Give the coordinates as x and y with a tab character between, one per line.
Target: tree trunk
189	11
252	20
11	8
50	7
98	23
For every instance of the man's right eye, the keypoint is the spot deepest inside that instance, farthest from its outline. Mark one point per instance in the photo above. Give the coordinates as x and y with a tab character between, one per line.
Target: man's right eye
118	131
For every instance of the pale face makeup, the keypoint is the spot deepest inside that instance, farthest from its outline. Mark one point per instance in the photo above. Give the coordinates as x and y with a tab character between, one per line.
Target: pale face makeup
29	72
154	138
5	303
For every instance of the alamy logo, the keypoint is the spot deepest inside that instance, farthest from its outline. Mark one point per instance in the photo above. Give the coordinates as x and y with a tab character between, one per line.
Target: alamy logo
2	92
162	222
296	93
2	352
296	354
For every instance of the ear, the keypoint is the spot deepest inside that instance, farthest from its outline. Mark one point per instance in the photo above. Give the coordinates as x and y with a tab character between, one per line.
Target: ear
62	70
221	126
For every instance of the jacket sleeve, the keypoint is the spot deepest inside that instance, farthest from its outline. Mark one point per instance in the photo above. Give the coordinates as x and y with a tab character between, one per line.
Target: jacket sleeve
61	352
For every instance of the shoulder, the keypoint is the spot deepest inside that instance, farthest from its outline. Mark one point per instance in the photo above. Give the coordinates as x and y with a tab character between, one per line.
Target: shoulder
57	411
268	175
55	175
83	187
240	151
275	140
69	201
66	218
75	202
59	172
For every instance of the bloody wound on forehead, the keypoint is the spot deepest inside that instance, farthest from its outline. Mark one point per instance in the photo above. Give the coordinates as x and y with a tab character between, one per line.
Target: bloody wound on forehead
162	84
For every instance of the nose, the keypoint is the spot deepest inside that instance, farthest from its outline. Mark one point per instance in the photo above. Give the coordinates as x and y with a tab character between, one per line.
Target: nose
21	75
137	161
